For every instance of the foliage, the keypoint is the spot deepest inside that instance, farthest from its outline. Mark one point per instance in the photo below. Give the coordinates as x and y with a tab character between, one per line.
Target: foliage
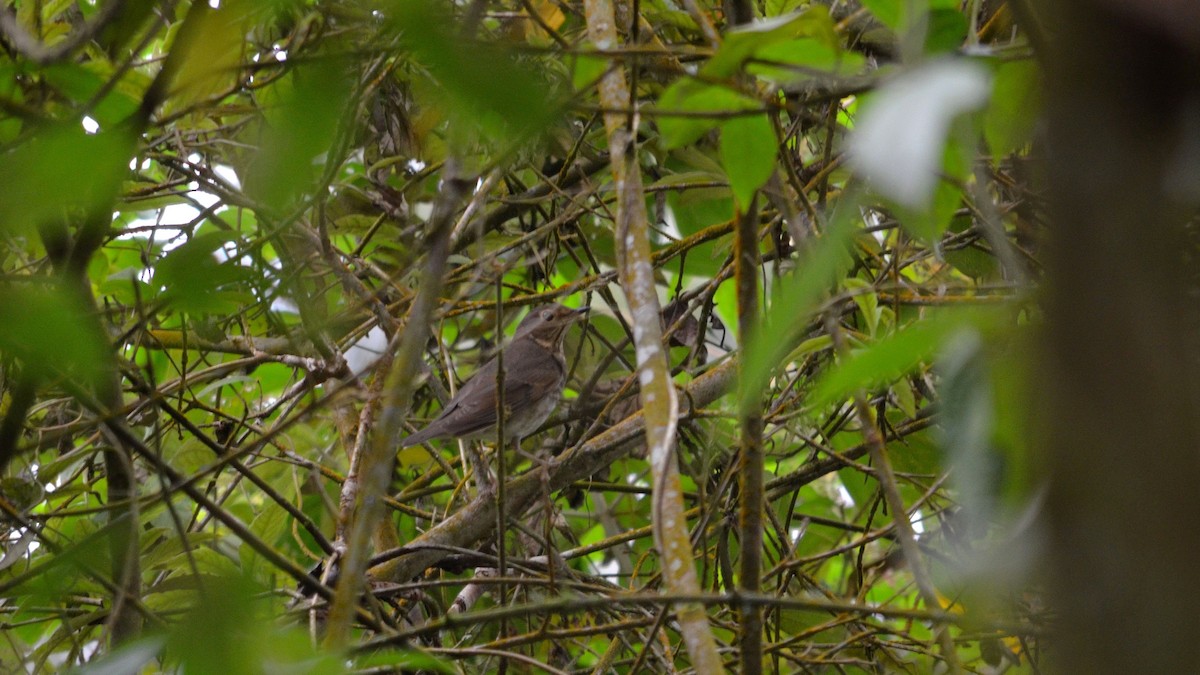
214	220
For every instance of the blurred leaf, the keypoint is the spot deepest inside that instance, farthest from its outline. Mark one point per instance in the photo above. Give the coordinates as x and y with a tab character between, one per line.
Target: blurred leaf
117	35
695	97
748	154
10	126
796	296
129	658
1011	371
930	223
803	59
587	70
747	40
83	81
1009	120
887	359
946	30
967	425
228	616
311	101
900	136
906	397
61	173
917	453
481	85
889	12
214	42
775	8
195	281
52	331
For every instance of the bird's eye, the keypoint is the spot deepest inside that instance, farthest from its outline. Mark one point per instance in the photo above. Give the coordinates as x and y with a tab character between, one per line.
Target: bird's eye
547	315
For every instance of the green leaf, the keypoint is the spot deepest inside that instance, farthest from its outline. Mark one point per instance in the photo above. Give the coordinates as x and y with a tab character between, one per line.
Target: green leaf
795	298
406	661
479	84
745	41
971	261
587	71
83	81
10	126
803	59
859	485
694	97
968	421
906	397
61	173
748	154
867	300
889	12
214	49
887	359
311	101
196	282
1009	120
946	30
225	616
776	8
53	332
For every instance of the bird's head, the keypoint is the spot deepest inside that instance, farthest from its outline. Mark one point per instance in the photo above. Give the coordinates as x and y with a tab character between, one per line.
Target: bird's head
548	324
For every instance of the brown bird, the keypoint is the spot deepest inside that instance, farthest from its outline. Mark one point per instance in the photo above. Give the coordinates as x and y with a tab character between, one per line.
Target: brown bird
535	372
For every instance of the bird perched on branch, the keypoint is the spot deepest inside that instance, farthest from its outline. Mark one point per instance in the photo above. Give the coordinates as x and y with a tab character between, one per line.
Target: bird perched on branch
535	372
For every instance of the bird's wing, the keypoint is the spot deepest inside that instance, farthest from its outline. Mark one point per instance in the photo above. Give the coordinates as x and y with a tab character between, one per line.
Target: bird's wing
473	408
467	411
522	385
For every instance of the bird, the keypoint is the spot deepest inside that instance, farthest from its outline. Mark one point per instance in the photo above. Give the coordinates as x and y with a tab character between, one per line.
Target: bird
535	372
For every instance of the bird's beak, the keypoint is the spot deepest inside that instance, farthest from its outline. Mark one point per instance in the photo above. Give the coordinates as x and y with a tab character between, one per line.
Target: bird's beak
581	312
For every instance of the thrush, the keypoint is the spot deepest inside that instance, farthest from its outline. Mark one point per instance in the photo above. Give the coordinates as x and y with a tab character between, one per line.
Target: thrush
535	372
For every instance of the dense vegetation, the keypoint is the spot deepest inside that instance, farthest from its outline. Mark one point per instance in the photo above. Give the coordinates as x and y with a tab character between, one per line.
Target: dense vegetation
245	247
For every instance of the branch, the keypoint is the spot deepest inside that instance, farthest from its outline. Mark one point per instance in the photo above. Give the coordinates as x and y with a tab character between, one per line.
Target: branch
477	520
636	273
36	51
371	472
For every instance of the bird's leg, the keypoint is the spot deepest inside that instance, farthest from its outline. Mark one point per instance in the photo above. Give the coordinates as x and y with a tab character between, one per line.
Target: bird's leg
485	482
